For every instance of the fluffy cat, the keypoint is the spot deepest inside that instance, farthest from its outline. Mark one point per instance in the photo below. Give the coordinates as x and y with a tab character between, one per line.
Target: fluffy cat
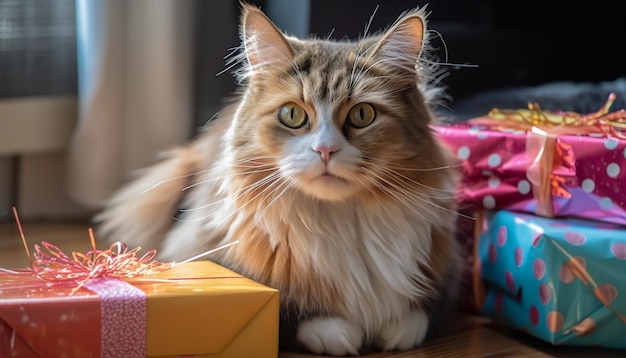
326	170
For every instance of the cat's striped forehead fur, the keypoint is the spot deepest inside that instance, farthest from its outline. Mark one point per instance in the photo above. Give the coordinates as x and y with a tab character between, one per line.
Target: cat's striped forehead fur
330	67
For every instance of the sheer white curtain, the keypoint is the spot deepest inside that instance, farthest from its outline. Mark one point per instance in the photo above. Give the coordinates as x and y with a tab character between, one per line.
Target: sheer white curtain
135	90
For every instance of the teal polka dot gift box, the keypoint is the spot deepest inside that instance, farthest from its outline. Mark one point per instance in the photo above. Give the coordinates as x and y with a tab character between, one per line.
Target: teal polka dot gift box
561	280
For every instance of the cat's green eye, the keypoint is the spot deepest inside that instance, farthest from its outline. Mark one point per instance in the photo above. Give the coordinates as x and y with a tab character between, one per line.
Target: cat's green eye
361	115
292	115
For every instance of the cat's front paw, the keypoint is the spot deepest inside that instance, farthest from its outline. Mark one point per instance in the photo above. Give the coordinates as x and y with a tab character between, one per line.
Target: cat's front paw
331	335
405	334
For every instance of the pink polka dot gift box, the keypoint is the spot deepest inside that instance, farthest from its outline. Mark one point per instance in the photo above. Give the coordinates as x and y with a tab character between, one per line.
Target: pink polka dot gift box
557	279
552	164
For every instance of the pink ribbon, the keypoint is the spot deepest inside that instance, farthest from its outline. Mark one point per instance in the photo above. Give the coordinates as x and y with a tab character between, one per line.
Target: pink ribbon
551	164
123	323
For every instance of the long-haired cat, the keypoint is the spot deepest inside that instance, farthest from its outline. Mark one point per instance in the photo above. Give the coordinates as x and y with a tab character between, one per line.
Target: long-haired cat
326	170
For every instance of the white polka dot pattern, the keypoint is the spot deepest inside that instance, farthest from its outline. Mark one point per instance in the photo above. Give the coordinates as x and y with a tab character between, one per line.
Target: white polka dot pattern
611	143
523	187
588	185
586	176
124	312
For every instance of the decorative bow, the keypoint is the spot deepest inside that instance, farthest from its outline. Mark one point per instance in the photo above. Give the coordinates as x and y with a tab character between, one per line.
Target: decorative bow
560	122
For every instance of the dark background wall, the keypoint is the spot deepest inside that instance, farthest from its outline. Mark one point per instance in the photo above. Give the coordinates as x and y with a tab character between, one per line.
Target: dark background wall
488	44
505	43
511	42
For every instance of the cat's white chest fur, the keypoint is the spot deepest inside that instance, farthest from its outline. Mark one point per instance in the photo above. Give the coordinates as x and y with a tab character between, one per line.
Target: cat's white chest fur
370	251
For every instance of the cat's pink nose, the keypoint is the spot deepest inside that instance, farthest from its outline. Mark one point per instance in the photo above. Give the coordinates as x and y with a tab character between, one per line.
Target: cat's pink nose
325	152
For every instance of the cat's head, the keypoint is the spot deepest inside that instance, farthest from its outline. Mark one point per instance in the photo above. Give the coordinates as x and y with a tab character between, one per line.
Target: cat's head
334	118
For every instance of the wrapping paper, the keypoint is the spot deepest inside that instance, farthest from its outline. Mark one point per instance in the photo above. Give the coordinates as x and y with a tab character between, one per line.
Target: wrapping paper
557	279
197	309
535	171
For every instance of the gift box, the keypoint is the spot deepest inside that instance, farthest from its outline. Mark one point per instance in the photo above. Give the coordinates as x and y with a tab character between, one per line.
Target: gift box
557	279
552	164
196	309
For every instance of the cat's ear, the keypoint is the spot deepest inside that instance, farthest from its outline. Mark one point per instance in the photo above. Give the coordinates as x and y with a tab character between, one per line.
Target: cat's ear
402	44
263	42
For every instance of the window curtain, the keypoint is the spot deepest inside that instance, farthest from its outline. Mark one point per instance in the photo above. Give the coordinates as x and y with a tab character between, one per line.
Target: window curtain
135	93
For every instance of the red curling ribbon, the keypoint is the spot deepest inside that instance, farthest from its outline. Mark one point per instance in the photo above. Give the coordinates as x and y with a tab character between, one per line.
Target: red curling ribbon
106	273
50	263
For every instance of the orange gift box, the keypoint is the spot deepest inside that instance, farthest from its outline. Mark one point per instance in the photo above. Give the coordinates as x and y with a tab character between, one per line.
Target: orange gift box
196	309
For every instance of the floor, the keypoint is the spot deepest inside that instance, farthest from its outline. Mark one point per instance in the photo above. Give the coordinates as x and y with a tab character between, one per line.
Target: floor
474	336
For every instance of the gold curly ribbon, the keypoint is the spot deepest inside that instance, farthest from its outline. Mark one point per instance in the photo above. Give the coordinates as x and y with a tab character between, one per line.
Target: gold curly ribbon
559	122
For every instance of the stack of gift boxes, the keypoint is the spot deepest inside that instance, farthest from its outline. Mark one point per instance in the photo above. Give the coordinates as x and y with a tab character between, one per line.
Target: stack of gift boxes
547	190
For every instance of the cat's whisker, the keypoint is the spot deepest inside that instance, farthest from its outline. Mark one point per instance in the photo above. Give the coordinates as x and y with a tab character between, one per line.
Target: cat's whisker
443	42
289	60
154	186
257	67
233	59
389	170
239	194
253	160
258	161
272	184
398	185
357	57
251	166
369	188
369	22
400	195
356	77
387	164
389	91
330	34
288	185
419	196
446	54
352	81
451	64
272	177
384	183
364	71
395	174
298	73
416	196
230	175
263	64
